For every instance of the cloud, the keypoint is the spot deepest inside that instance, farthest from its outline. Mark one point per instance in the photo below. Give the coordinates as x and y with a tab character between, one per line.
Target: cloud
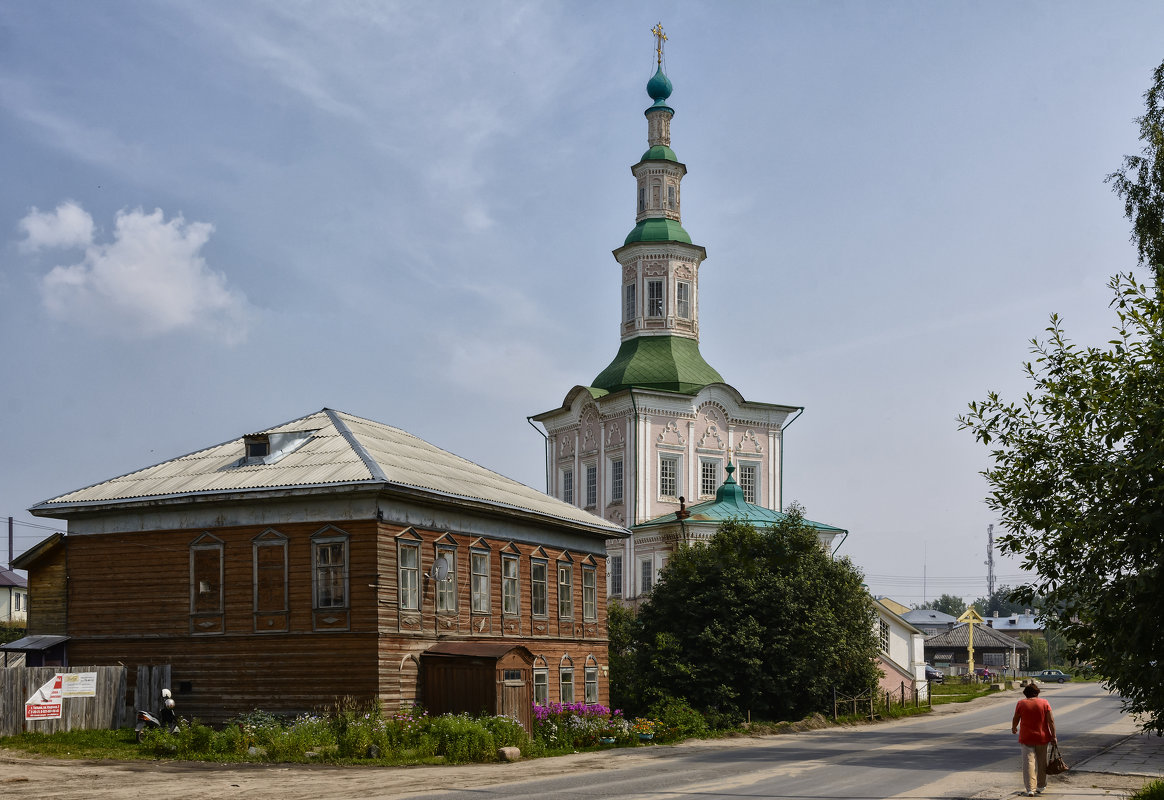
69	226
149	281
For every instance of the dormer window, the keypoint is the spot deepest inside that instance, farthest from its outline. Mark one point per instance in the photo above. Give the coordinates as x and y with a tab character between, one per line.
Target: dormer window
269	448
258	447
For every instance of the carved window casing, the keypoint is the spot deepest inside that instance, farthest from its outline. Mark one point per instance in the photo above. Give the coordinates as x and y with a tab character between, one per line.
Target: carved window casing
654	298
408	554
446	589
541	682
510	585
589	593
565	590
591	679
206	585
683	300
539	587
479	590
269	579
566	680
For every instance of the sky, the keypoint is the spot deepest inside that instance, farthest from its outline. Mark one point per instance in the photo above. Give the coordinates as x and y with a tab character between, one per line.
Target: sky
220	216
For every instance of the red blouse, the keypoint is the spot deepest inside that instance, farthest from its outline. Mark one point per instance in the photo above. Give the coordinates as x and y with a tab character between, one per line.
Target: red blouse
1034	715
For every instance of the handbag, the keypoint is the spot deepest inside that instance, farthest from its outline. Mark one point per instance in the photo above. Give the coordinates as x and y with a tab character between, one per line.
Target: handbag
1055	762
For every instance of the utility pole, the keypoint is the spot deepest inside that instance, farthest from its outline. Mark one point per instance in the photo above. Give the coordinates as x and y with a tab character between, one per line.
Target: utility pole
10	543
989	562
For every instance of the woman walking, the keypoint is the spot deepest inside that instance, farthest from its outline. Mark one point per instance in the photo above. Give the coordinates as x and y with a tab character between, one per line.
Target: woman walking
1035	725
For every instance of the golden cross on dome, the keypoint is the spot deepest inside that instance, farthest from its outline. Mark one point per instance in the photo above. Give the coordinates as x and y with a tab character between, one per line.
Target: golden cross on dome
660	37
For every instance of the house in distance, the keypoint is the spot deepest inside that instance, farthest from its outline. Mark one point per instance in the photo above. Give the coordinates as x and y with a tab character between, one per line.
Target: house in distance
330	556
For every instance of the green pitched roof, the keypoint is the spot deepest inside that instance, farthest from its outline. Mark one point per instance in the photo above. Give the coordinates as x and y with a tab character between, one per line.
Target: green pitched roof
665	363
729	503
660	152
658	229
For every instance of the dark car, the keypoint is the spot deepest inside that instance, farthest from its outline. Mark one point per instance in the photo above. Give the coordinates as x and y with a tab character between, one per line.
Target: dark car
1052	676
933	675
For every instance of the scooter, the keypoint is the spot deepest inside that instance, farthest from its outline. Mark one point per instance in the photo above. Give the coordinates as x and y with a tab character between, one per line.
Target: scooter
168	720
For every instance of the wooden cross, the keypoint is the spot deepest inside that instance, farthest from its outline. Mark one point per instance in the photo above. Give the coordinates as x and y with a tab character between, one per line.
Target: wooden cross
660	37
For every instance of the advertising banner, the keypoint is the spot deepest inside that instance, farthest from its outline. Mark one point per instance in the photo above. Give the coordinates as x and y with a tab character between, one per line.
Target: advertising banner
45	702
79	684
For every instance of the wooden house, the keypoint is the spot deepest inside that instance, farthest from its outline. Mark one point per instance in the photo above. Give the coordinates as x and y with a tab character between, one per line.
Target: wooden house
324	558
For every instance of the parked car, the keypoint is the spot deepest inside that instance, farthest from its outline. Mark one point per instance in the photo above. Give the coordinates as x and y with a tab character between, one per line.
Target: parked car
1052	676
934	675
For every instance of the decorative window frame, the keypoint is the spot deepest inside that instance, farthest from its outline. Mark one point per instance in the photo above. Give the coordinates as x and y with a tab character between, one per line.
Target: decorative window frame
630	308
759	472
683	304
656	303
336	616
590	680
408	540
541	672
646	576
539	559
207	620
677	457
614	577
611	483
589	592
269	620
717	464
480	596
565	671
590	484
445	599
510	555
564	567
566	482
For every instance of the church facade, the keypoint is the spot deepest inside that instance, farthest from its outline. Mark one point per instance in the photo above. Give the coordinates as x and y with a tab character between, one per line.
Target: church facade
657	429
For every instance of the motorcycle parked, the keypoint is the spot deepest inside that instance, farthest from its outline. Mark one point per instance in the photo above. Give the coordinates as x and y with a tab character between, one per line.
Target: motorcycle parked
167	720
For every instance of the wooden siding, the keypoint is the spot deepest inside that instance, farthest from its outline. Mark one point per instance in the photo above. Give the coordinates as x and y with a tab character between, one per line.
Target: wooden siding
47	587
132	598
105	710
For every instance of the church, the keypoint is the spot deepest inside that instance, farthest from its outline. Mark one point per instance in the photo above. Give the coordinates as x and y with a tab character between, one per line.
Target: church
659	431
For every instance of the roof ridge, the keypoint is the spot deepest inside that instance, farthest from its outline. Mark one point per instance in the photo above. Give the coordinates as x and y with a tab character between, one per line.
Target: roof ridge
342	428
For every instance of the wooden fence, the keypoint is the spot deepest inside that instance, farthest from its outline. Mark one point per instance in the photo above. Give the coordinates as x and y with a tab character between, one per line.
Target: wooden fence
111	708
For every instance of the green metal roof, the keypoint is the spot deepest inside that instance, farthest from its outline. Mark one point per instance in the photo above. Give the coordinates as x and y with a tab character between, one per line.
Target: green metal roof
729	503
660	152
658	229
664	363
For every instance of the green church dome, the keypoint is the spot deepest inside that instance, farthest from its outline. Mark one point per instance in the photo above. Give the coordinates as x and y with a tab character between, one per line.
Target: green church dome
660	152
659	87
663	363
658	229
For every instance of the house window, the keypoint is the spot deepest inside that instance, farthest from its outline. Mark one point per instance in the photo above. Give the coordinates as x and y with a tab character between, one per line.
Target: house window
270	573
541	687
616	480
749	474
566	684
654	298
565	591
668	476
683	300
539	590
642	199
409	577
206	576
330	558
592	684
446	590
884	636
568	485
629	309
708	477
589	593
509	585
646	576
591	485
479	589
614	566
671	197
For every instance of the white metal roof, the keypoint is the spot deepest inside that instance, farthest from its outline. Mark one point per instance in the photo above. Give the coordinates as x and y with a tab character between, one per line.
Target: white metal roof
342	449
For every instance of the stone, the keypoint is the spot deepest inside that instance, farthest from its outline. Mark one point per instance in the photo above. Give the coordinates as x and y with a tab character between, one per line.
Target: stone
508	754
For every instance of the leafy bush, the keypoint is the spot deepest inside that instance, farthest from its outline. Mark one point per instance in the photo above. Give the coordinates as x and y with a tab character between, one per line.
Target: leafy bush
676	719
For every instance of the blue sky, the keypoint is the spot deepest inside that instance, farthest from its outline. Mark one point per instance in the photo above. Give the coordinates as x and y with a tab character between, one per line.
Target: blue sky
215	217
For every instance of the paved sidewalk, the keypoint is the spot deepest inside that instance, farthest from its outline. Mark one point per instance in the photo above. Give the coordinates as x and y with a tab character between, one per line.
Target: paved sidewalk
1118	772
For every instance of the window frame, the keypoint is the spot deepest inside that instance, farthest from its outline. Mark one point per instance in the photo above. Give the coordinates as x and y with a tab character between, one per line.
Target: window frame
745	467
510	582
408	577
445	592
614	574
589	593
617	472
318	544
207	543
646	576
630	307
542	686
590	680
480	589
268	539
716	465
568	485
677	470
591	488
683	299
883	635
544	584
565	678
565	598
656	299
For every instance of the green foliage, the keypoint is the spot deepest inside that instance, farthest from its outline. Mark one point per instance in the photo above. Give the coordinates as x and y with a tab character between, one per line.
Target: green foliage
948	604
759	621
623	631
1037	657
1003	602
1140	182
676	720
1078	481
11	631
1152	791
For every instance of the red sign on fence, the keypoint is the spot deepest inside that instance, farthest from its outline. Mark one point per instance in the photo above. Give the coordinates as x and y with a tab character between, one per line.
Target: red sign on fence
45	702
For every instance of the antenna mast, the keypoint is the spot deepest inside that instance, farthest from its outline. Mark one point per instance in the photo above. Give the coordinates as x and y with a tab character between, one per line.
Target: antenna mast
989	562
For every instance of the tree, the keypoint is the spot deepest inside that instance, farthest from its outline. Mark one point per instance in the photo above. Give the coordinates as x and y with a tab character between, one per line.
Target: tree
759	621
622	630
948	604
1078	462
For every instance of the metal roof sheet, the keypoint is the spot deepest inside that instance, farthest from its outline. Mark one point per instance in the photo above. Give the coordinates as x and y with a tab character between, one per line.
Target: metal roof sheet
984	636
342	449
33	643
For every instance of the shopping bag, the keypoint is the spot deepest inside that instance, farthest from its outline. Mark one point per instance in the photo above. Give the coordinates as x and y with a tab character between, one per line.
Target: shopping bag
1055	762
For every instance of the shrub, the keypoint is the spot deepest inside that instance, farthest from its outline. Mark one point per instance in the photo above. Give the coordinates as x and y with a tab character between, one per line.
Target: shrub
675	719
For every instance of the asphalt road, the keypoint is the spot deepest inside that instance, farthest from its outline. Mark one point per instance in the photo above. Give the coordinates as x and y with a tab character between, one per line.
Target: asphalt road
963	751
949	755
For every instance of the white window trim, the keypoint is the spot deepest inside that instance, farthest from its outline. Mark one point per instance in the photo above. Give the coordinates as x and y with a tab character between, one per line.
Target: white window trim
484	594
509	558
609	488
757	498
718	463
545	613
678	459
315	545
